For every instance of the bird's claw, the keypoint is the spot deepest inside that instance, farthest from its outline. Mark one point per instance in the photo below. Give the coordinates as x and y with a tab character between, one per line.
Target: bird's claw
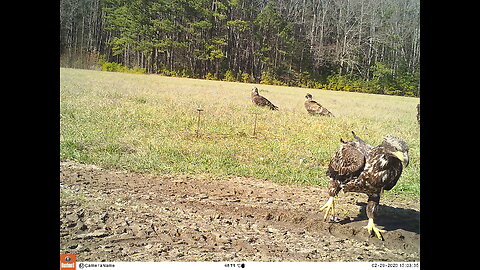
371	227
330	206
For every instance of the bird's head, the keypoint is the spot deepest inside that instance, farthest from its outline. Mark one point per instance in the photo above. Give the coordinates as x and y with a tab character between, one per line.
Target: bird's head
308	96
398	147
255	90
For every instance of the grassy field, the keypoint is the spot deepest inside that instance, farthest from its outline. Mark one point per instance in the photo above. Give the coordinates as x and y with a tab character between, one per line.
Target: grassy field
147	123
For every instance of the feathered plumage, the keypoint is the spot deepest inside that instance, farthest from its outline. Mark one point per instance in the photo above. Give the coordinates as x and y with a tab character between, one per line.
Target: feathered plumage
259	100
314	107
359	167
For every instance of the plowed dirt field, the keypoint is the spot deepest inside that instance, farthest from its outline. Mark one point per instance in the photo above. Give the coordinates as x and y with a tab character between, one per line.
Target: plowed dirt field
108	215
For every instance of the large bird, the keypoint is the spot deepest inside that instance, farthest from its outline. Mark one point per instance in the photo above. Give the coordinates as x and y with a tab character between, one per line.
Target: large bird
359	167
314	107
257	99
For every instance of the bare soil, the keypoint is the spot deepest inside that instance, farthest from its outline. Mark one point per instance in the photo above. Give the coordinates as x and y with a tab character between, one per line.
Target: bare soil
108	215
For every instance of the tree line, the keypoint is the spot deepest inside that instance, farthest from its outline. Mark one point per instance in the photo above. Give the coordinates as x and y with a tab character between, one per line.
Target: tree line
352	45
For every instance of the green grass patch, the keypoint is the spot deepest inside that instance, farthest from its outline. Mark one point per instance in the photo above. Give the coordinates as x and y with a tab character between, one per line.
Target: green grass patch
148	123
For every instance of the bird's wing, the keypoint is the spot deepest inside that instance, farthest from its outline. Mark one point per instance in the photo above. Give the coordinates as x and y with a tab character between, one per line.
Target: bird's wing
382	169
262	101
364	147
327	112
313	106
348	162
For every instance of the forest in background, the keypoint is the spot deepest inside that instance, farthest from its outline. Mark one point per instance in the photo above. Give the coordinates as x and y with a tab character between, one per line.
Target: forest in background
370	46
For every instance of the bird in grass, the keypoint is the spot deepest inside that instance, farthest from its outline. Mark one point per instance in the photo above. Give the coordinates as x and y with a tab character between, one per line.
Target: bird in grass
314	107
257	99
359	167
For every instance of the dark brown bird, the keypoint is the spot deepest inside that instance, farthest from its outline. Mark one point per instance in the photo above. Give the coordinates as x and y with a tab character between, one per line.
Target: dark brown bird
359	167
315	108
261	101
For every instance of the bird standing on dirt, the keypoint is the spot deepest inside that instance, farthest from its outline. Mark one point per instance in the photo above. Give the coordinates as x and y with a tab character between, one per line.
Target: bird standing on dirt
261	101
314	107
359	167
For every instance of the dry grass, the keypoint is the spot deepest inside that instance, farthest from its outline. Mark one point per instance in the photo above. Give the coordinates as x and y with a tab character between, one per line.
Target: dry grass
147	123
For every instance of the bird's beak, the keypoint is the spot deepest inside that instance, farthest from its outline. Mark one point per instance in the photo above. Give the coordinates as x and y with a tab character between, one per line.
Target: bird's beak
403	157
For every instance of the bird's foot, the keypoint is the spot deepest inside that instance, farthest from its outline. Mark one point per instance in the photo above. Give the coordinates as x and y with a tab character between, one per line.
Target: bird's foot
330	206
372	227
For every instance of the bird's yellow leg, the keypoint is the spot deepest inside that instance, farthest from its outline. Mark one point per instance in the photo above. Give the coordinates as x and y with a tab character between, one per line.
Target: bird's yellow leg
371	226
330	205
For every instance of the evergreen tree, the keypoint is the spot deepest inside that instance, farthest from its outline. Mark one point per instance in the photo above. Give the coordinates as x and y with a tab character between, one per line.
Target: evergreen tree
357	45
